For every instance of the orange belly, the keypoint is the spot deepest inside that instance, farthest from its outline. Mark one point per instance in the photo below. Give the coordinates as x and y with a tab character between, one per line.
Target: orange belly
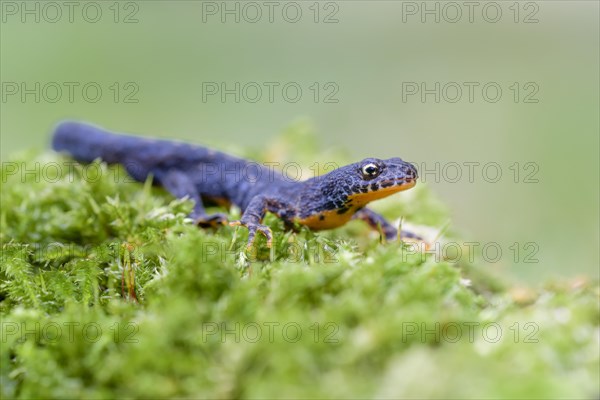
326	219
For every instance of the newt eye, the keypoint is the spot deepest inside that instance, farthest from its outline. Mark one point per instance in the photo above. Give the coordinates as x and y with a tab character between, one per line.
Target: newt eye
370	171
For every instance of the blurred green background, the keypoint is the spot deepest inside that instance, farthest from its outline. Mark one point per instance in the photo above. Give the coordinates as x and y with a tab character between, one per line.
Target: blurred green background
162	53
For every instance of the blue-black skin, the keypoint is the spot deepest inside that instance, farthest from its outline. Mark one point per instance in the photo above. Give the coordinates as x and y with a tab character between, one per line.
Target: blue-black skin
209	176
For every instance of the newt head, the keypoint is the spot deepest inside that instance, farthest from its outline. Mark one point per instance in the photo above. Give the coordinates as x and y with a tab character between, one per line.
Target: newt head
376	179
334	197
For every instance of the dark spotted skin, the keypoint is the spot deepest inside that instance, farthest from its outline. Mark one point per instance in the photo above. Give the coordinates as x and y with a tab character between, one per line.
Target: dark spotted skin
212	177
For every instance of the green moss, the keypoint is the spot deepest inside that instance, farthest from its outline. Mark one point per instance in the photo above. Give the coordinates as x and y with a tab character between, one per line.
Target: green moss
107	290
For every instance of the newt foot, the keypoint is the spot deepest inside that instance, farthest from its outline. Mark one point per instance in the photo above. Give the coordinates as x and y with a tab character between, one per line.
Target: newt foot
252	229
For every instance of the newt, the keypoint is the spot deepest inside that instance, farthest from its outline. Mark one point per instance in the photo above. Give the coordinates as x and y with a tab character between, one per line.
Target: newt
208	177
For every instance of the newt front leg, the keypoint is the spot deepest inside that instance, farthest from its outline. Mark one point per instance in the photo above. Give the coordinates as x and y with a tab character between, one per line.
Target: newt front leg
252	218
377	222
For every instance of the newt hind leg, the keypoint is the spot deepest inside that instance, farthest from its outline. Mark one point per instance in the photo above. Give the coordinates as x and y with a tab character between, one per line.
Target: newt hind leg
180	185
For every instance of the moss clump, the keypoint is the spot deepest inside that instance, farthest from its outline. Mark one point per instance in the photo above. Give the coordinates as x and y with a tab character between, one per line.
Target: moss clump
107	290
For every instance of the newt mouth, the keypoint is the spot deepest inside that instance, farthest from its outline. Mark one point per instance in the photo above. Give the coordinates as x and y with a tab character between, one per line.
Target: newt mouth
406	183
394	183
383	189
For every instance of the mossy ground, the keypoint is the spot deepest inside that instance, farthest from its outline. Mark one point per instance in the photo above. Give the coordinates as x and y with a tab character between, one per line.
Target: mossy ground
107	290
